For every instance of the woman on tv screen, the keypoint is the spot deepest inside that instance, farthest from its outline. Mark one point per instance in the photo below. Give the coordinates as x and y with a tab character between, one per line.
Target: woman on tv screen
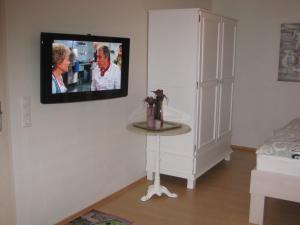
60	65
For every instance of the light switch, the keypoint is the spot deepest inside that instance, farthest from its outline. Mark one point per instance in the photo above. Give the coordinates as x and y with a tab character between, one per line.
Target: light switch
0	118
26	111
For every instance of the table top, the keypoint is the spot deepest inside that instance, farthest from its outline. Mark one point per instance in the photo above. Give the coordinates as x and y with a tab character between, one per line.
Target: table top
184	128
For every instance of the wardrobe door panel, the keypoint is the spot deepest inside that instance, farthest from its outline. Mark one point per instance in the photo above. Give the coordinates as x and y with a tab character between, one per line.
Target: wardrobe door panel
225	107
228	47
207	117
210	34
226	76
210	42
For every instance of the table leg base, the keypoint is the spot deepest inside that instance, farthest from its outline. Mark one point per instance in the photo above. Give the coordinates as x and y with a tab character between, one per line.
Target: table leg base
152	190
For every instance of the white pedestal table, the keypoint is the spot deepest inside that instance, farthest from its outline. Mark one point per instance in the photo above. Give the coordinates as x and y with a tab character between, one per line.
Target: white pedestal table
156	188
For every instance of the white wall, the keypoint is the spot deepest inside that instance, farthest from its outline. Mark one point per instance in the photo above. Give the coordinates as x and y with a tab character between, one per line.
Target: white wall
7	212
261	103
74	154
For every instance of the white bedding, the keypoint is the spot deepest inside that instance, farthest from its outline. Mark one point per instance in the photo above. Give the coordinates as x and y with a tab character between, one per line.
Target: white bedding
281	152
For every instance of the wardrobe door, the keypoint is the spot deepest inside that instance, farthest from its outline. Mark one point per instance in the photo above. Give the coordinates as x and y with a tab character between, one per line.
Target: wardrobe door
210	26
226	76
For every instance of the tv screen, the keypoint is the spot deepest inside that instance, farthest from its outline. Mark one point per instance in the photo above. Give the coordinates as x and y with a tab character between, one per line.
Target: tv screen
83	67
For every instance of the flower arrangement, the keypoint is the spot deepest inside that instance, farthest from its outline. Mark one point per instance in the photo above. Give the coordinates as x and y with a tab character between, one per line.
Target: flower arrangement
154	109
160	96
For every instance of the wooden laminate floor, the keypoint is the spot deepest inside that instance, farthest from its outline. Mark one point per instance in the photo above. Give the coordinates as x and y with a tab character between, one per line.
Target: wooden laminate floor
221	197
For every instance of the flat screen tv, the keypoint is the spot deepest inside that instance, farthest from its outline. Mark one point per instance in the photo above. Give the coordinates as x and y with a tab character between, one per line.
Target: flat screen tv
83	67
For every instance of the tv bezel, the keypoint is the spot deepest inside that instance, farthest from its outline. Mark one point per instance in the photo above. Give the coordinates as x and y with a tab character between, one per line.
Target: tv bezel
47	97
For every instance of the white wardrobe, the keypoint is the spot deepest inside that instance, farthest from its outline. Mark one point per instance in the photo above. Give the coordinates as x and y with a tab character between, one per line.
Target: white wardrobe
191	57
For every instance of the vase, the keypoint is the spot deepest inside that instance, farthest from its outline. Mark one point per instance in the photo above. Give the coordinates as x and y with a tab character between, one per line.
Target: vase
159	113
150	117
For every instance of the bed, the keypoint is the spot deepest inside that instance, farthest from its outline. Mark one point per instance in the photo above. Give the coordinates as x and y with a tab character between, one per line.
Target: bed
277	172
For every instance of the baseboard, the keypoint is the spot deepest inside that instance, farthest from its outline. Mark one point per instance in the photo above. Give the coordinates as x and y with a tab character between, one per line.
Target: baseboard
102	201
242	148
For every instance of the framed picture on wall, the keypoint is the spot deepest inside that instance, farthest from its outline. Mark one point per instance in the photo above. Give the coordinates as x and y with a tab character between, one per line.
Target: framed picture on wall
289	56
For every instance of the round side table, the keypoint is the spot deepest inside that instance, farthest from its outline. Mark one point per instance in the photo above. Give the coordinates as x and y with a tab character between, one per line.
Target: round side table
156	188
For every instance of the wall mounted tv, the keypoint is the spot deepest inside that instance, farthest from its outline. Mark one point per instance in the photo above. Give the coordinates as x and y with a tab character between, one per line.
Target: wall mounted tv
83	67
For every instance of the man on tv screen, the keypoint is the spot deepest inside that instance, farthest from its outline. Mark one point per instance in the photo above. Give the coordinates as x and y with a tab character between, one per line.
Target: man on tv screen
105	74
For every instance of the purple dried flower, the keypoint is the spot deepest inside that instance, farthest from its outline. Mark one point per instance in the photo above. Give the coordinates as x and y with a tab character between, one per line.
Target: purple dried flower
160	94
150	101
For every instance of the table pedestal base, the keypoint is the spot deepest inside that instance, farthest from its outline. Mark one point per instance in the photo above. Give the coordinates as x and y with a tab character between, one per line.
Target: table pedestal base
157	190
